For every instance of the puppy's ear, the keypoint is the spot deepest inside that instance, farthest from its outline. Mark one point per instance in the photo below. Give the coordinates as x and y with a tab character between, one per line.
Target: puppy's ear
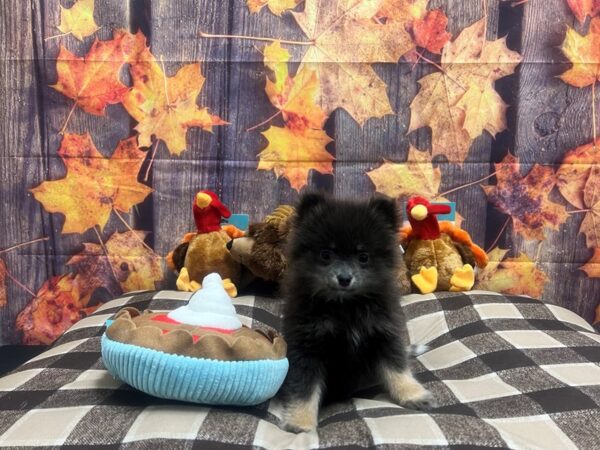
386	208
309	202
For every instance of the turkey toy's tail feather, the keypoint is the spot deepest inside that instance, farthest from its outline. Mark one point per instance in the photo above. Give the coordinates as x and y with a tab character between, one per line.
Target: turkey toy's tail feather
471	252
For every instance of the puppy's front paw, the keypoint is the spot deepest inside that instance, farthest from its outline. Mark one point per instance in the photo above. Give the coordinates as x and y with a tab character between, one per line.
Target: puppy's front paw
299	417
406	391
423	401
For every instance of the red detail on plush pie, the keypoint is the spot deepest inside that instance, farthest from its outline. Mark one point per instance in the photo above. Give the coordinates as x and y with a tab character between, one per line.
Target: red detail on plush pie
166	319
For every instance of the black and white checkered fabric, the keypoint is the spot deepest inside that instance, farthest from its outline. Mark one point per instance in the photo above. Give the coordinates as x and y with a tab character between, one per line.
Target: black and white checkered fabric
506	371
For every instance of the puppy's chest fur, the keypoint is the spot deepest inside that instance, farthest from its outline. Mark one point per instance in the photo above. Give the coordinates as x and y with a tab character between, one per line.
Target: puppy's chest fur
350	339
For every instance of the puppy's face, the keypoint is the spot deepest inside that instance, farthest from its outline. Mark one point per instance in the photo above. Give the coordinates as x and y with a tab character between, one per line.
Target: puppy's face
342	249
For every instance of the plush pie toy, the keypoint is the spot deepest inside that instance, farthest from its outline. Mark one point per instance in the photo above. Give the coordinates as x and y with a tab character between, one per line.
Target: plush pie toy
199	352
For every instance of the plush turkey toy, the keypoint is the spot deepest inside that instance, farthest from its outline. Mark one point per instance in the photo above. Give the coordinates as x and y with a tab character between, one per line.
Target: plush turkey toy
439	256
205	251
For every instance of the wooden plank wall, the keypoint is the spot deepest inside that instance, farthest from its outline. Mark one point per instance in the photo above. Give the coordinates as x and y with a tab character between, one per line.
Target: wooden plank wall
552	118
546	119
21	158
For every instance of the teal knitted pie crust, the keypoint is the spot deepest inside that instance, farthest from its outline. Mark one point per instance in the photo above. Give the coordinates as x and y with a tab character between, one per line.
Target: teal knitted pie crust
197	380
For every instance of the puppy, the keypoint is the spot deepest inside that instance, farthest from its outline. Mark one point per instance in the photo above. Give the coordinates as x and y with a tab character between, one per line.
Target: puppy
341	320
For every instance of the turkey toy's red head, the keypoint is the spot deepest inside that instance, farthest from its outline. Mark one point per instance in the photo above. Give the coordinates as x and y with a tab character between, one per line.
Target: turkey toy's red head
422	218
208	211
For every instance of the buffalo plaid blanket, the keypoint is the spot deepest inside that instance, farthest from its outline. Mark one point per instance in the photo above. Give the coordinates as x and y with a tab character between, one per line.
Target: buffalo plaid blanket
507	372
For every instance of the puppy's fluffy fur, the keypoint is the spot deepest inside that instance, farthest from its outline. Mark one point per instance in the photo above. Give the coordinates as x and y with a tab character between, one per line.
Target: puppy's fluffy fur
341	319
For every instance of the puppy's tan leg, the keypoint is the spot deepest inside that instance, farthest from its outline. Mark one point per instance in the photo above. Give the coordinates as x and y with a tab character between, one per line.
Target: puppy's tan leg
405	390
302	414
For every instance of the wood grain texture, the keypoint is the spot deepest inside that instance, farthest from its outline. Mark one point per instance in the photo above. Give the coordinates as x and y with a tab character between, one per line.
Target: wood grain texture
243	187
20	161
550	119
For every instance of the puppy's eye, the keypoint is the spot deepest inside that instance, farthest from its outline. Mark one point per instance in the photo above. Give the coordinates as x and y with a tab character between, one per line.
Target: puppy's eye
326	255
363	258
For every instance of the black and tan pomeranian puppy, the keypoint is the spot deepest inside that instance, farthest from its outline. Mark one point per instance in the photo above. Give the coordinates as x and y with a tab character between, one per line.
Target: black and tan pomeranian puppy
341	320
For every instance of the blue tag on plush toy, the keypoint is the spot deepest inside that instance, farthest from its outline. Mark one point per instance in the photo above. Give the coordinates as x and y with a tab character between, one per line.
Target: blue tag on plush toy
451	216
239	220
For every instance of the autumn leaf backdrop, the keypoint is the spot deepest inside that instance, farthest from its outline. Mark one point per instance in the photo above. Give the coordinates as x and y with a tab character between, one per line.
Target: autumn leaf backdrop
115	113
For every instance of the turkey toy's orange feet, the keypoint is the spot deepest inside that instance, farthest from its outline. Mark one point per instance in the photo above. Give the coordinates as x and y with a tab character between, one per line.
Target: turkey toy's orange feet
184	283
426	280
463	279
230	287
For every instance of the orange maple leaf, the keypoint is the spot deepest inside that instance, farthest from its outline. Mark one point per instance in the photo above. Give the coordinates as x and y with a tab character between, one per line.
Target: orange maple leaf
459	103
430	32
584	53
165	107
3	298
592	267
60	302
78	20
94	185
583	8
292	153
93	81
525	199
517	276
295	97
129	266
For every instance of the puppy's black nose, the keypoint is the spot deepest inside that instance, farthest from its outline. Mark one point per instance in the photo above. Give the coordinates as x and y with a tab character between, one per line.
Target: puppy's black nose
229	244
344	280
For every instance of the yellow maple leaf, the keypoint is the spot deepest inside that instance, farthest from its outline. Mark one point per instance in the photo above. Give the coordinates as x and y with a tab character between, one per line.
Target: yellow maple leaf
140	268
165	107
276	59
293	153
296	97
517	276
79	19
345	40
574	171
592	267
403	10
416	176
93	185
584	53
460	102
484	110
277	7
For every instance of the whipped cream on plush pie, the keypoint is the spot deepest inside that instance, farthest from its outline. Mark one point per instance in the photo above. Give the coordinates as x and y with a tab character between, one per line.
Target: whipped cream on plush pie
209	307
